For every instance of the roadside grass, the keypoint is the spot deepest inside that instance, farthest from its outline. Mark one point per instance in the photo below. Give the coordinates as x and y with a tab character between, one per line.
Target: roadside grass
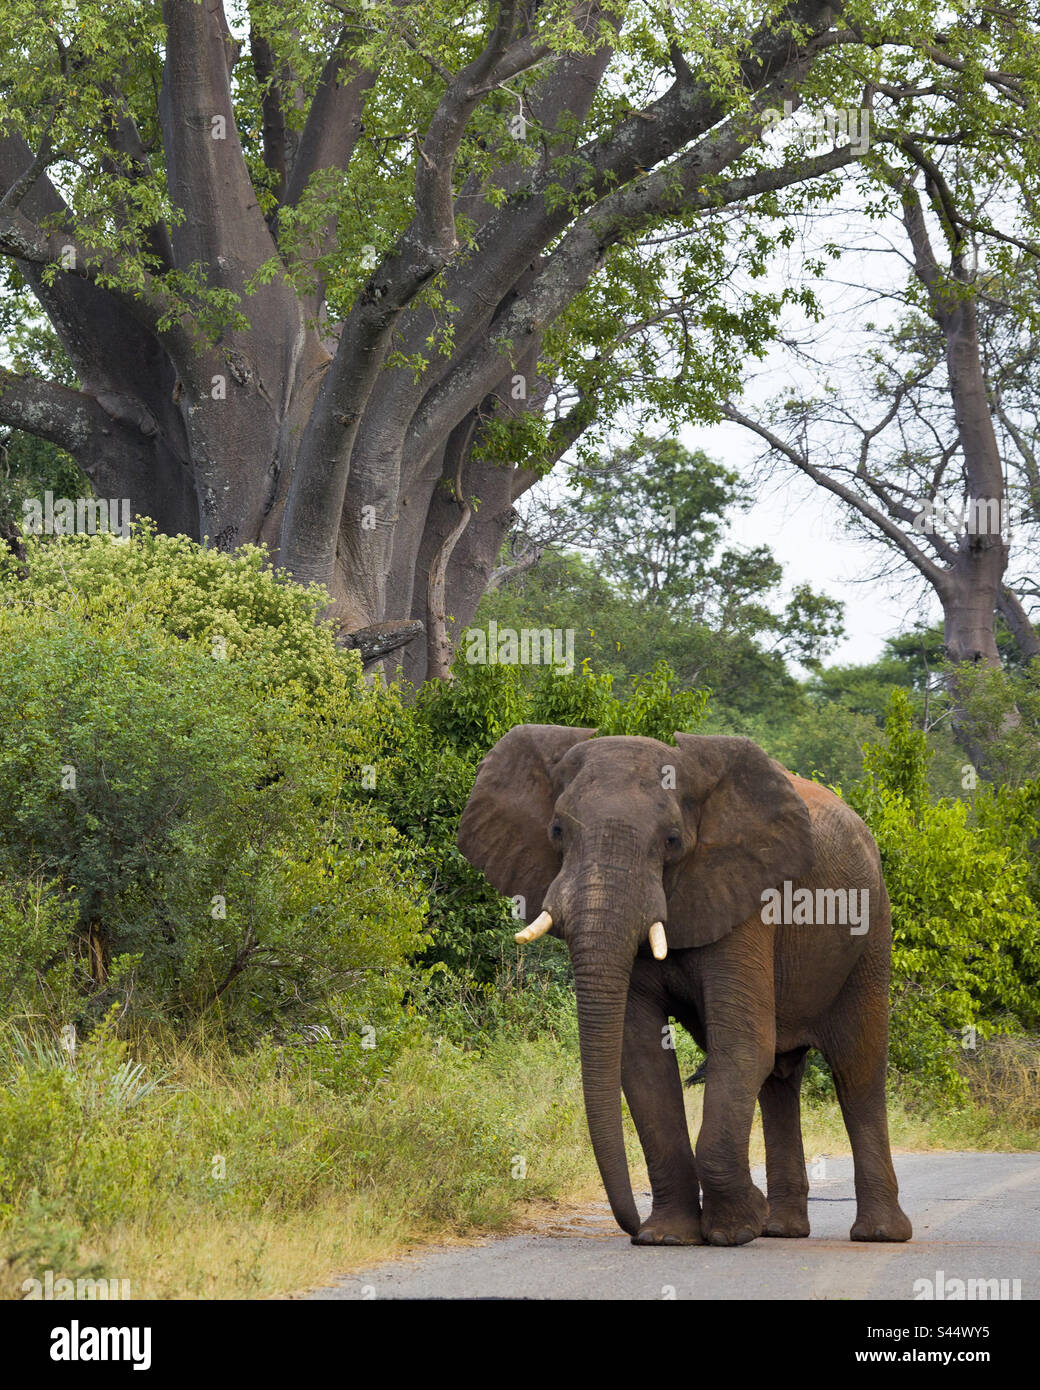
198	1173
246	1176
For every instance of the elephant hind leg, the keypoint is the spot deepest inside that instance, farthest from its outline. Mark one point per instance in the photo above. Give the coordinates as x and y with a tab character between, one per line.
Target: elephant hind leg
787	1184
857	1050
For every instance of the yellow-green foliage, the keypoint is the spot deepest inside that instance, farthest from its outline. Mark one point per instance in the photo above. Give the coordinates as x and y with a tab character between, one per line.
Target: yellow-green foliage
234	606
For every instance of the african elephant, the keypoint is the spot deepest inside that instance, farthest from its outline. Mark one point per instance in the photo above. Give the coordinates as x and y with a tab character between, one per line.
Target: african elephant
657	864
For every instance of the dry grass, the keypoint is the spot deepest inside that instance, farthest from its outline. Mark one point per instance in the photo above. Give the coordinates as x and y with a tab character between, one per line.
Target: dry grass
1004	1077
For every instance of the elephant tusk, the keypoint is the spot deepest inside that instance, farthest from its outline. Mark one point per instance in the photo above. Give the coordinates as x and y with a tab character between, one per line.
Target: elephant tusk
658	941
538	927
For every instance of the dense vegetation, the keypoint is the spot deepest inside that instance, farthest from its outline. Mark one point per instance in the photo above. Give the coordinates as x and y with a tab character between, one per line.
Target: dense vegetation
243	964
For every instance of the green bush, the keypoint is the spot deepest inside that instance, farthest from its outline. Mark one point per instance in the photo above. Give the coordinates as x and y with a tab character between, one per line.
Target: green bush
37	920
482	702
1000	713
966	930
227	606
195	812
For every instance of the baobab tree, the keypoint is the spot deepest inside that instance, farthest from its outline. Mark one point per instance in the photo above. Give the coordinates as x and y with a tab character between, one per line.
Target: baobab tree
346	277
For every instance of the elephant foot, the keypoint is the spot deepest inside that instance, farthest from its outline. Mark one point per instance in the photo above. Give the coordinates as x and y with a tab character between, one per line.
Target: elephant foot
788	1222
892	1225
670	1227
734	1221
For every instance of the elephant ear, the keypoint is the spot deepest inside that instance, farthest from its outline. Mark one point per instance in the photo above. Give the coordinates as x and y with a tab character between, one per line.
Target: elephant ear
752	833
504	830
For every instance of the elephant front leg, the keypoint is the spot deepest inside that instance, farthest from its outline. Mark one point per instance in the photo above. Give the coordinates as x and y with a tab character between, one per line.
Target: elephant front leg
653	1089
741	1044
734	1210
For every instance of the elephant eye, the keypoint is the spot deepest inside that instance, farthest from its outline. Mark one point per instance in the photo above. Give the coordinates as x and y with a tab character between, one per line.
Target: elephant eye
673	841
556	830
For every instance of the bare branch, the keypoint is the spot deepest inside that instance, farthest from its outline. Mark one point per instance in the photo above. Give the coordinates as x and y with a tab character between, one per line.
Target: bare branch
379	639
931	571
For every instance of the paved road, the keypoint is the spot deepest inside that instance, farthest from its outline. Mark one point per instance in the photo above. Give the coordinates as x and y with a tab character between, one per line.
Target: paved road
975	1215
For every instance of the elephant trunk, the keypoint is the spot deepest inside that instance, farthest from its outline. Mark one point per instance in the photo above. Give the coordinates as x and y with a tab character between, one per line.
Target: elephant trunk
602	993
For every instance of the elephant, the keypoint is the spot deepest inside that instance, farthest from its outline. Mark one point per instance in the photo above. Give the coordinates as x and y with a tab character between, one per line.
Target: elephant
670	871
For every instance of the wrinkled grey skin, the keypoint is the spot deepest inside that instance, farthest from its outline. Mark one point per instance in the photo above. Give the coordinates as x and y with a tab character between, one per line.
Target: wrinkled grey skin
612	834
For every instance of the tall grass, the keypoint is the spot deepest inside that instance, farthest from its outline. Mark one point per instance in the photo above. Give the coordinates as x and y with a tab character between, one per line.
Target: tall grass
195	1172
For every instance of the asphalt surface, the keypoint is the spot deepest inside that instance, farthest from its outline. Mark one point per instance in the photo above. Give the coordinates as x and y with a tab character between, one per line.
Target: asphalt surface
976	1216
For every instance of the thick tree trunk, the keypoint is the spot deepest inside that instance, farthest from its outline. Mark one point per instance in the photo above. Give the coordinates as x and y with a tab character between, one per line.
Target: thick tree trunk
973	584
977	572
270	424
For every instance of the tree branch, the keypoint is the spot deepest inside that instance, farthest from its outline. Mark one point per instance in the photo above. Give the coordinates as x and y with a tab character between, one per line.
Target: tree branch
931	571
438	642
677	188
72	420
20	188
1010	608
136	290
318	489
207	175
130	160
273	128
380	639
514	235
